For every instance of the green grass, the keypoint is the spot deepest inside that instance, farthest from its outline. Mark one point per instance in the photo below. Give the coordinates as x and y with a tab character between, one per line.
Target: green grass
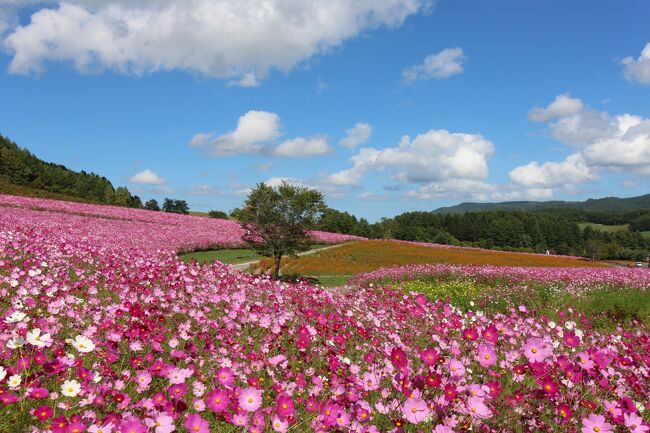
230	256
604	307
645	234
604	227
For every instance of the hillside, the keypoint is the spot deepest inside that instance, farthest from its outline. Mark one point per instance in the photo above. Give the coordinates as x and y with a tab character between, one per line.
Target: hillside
599	204
23	173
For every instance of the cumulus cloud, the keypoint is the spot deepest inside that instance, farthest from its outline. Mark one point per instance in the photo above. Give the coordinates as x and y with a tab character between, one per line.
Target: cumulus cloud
357	135
440	65
241	40
563	105
436	156
303	147
601	142
147	177
255	134
573	170
638	69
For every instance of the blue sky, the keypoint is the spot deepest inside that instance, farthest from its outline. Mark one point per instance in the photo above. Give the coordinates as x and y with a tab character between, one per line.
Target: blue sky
441	102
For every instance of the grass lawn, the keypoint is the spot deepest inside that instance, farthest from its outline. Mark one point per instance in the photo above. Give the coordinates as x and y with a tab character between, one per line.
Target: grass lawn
604	227
230	256
645	234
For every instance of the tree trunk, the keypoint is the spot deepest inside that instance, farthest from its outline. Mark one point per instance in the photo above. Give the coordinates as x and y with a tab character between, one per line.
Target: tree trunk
276	268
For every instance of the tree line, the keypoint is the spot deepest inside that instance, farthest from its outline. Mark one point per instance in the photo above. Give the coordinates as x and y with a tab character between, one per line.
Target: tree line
555	231
20	167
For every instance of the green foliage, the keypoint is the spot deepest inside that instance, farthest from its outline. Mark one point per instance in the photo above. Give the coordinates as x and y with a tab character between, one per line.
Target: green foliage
276	220
176	206
22	168
152	205
218	214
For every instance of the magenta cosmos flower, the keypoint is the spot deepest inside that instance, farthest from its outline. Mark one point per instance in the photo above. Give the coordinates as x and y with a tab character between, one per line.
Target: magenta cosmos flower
250	399
595	424
195	424
415	410
217	400
225	376
285	406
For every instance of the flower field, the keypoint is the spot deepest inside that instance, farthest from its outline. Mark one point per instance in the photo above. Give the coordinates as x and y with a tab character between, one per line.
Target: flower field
370	255
104	329
128	228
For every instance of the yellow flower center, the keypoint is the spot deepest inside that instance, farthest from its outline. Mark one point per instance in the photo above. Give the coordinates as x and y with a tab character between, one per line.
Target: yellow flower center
534	350
596	429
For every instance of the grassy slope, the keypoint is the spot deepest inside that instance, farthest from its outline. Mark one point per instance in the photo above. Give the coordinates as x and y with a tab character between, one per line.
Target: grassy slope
13	189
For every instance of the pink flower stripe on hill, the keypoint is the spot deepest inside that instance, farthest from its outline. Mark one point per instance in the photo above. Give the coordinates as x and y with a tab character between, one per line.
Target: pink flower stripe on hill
118	227
565	277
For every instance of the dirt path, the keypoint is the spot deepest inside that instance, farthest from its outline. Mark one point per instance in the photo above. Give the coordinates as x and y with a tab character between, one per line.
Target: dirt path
242	266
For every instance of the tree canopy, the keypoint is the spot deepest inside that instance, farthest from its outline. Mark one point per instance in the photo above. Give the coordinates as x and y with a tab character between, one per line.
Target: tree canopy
277	219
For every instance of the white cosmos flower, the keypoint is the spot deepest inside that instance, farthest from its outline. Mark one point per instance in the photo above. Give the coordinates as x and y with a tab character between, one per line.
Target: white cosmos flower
3	373
17	316
83	344
35	338
14	381
16	342
70	388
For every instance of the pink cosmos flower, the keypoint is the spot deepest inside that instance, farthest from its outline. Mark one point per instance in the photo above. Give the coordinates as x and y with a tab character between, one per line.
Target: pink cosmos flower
43	413
487	356
142	379
584	361
162	424
132	425
456	368
535	349
250	399
195	424
635	423
477	408
595	424
398	358
225	376
279	424
440	428
415	410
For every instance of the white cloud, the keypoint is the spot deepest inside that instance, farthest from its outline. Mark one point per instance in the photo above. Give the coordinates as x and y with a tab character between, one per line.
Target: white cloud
638	69
573	170
601	142
247	80
147	177
254	131
255	134
436	156
356	135
265	166
563	105
440	65
303	147
241	40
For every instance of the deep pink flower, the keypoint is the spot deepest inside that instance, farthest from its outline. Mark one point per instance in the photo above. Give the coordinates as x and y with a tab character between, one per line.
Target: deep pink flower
398	358
225	376
429	356
43	413
217	400
284	405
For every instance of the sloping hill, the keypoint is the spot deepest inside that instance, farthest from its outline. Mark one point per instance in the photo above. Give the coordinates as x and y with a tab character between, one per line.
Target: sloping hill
598	204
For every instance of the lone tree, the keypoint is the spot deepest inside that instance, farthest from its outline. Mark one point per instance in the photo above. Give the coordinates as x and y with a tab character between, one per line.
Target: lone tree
276	220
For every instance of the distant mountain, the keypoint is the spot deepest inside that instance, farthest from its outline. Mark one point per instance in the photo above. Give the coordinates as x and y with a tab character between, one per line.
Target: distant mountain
592	204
